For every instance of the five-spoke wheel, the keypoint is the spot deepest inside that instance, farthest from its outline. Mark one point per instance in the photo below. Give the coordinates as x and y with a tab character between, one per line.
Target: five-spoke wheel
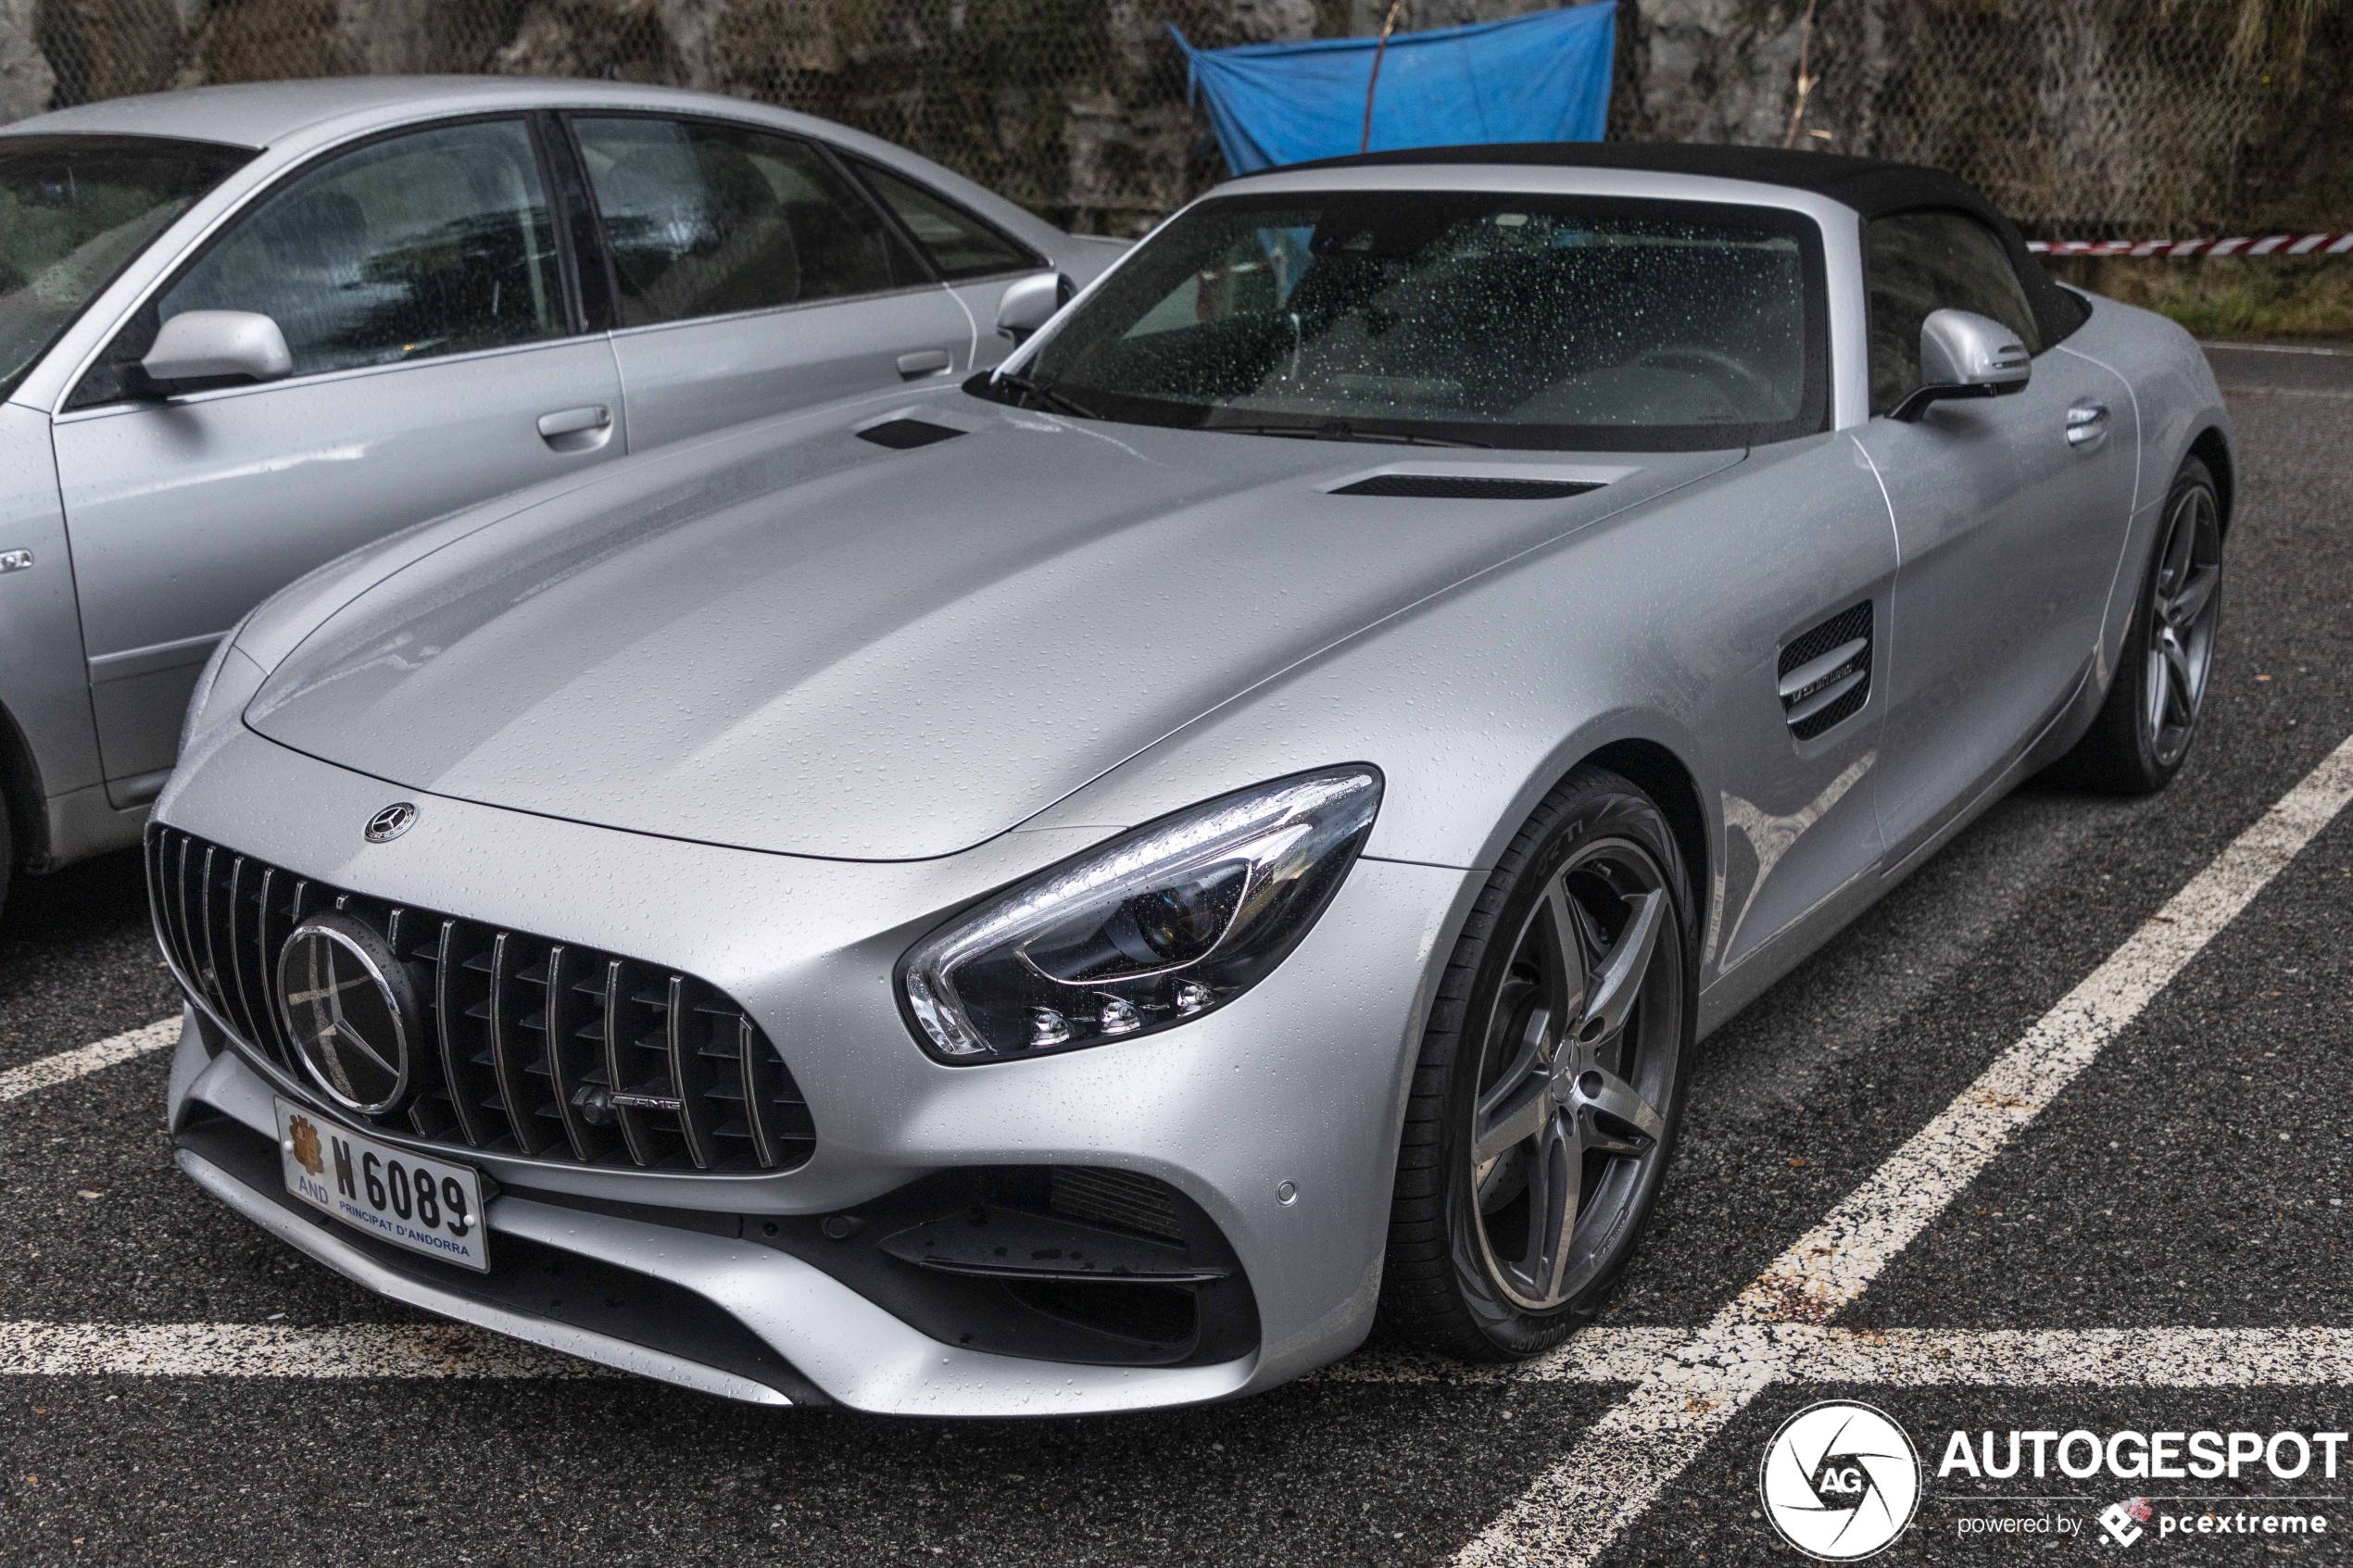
1551	1079
2143	733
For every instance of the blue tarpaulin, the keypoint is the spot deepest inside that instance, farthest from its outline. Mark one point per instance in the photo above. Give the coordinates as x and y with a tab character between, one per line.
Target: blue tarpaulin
1539	77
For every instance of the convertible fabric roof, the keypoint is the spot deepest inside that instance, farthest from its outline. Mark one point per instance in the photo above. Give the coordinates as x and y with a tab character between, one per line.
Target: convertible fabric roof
1871	186
1868	185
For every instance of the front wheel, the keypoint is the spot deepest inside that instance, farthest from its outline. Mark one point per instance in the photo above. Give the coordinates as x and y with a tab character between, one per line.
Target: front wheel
2143	729
1551	1081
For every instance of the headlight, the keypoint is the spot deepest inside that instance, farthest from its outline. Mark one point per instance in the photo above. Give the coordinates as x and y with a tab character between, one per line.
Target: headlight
1149	931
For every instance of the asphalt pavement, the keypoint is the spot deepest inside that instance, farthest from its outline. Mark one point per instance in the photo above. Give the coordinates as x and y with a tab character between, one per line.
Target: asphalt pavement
2193	1176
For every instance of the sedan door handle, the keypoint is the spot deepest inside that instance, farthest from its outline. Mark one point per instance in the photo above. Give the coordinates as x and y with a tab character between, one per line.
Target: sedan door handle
924	362
572	421
2086	426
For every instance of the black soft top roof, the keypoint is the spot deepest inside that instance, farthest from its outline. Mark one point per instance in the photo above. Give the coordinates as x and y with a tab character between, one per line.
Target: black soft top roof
1871	186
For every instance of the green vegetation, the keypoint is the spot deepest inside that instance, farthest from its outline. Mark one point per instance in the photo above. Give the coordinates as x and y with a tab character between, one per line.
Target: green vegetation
2229	297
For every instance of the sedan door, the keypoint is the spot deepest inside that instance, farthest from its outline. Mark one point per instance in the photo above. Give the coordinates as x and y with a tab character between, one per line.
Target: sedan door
437	362
2009	514
752	277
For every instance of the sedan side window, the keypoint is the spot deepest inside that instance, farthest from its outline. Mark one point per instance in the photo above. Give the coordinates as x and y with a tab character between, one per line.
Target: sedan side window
432	243
959	244
704	220
1916	262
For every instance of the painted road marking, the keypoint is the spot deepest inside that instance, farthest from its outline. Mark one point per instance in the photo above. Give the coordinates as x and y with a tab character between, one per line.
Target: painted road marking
1918	1358
65	1066
268	1350
1619	1468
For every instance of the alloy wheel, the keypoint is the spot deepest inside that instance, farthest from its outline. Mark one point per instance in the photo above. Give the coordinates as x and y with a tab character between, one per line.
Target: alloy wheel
1579	1044
2185	605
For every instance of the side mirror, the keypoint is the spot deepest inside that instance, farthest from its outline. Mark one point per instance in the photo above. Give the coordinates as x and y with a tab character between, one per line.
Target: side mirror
1964	354
1030	305
216	346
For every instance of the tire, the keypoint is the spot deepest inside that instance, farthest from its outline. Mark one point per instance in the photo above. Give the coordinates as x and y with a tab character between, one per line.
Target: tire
7	855
1467	1273
2143	729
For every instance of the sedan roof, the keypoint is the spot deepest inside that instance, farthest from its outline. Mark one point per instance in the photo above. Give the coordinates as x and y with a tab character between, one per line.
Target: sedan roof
273	114
256	114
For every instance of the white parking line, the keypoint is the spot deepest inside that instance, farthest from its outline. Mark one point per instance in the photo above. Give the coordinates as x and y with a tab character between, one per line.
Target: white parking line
266	1350
66	1065
1617	1470
2114	1358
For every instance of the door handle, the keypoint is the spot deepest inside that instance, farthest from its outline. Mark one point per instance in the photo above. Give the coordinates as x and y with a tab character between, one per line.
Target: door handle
572	421
924	362
2086	426
576	430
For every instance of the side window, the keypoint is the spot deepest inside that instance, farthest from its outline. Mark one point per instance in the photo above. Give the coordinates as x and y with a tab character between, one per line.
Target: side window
704	220
439	242
1916	262
958	244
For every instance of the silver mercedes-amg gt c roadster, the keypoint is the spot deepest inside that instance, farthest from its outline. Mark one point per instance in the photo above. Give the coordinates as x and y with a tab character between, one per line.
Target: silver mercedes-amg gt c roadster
1078	891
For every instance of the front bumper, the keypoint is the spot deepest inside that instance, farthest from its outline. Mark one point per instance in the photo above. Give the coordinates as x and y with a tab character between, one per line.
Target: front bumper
1299	1085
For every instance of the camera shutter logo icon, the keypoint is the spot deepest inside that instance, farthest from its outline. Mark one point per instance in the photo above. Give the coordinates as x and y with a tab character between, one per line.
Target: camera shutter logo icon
1840	1481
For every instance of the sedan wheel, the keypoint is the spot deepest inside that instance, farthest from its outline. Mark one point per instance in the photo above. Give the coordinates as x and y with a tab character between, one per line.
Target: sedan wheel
1550	1082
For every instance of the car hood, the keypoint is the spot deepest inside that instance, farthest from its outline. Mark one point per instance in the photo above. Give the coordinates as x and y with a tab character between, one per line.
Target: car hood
795	639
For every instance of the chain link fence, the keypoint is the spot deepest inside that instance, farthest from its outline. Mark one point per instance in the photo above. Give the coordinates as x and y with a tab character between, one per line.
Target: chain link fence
2091	117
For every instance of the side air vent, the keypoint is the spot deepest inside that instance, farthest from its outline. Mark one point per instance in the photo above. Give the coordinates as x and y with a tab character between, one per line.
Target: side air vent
1825	673
906	434
1464	487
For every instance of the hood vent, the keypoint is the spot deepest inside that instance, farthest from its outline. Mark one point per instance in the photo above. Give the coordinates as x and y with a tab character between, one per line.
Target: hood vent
905	434
1464	487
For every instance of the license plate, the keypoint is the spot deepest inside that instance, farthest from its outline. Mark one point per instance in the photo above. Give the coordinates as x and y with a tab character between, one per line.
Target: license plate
427	1206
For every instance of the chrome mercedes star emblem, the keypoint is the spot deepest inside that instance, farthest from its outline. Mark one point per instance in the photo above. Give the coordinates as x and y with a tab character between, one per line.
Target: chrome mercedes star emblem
349	1005
391	822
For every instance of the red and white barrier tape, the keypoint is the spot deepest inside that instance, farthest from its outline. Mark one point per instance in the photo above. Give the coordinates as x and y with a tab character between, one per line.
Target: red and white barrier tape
2270	244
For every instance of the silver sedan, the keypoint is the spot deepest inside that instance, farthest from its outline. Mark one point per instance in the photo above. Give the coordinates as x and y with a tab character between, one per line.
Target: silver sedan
244	329
1079	891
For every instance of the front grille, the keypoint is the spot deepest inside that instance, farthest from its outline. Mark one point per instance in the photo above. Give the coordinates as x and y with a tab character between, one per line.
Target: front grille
530	1047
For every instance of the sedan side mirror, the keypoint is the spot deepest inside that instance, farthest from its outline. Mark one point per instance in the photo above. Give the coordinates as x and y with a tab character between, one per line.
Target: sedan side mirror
1964	354
1028	305
199	347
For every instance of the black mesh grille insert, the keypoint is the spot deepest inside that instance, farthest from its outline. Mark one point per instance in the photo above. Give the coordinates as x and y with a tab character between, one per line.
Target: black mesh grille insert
1464	487
901	435
1808	718
1114	1198
1840	628
530	1045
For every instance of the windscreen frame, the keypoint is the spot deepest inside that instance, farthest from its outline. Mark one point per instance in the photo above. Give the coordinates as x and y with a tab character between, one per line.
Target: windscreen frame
1815	403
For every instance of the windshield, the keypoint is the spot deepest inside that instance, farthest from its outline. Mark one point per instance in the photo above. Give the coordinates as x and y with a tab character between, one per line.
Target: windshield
74	211
1490	318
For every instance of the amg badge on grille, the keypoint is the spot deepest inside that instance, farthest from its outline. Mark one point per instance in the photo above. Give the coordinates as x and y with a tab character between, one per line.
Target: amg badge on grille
351	1010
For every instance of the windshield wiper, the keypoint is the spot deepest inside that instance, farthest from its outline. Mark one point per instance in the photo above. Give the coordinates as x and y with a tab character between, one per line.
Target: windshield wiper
1044	395
1341	430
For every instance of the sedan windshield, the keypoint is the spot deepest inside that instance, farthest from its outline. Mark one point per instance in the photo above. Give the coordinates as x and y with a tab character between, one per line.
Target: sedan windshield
1482	318
74	211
